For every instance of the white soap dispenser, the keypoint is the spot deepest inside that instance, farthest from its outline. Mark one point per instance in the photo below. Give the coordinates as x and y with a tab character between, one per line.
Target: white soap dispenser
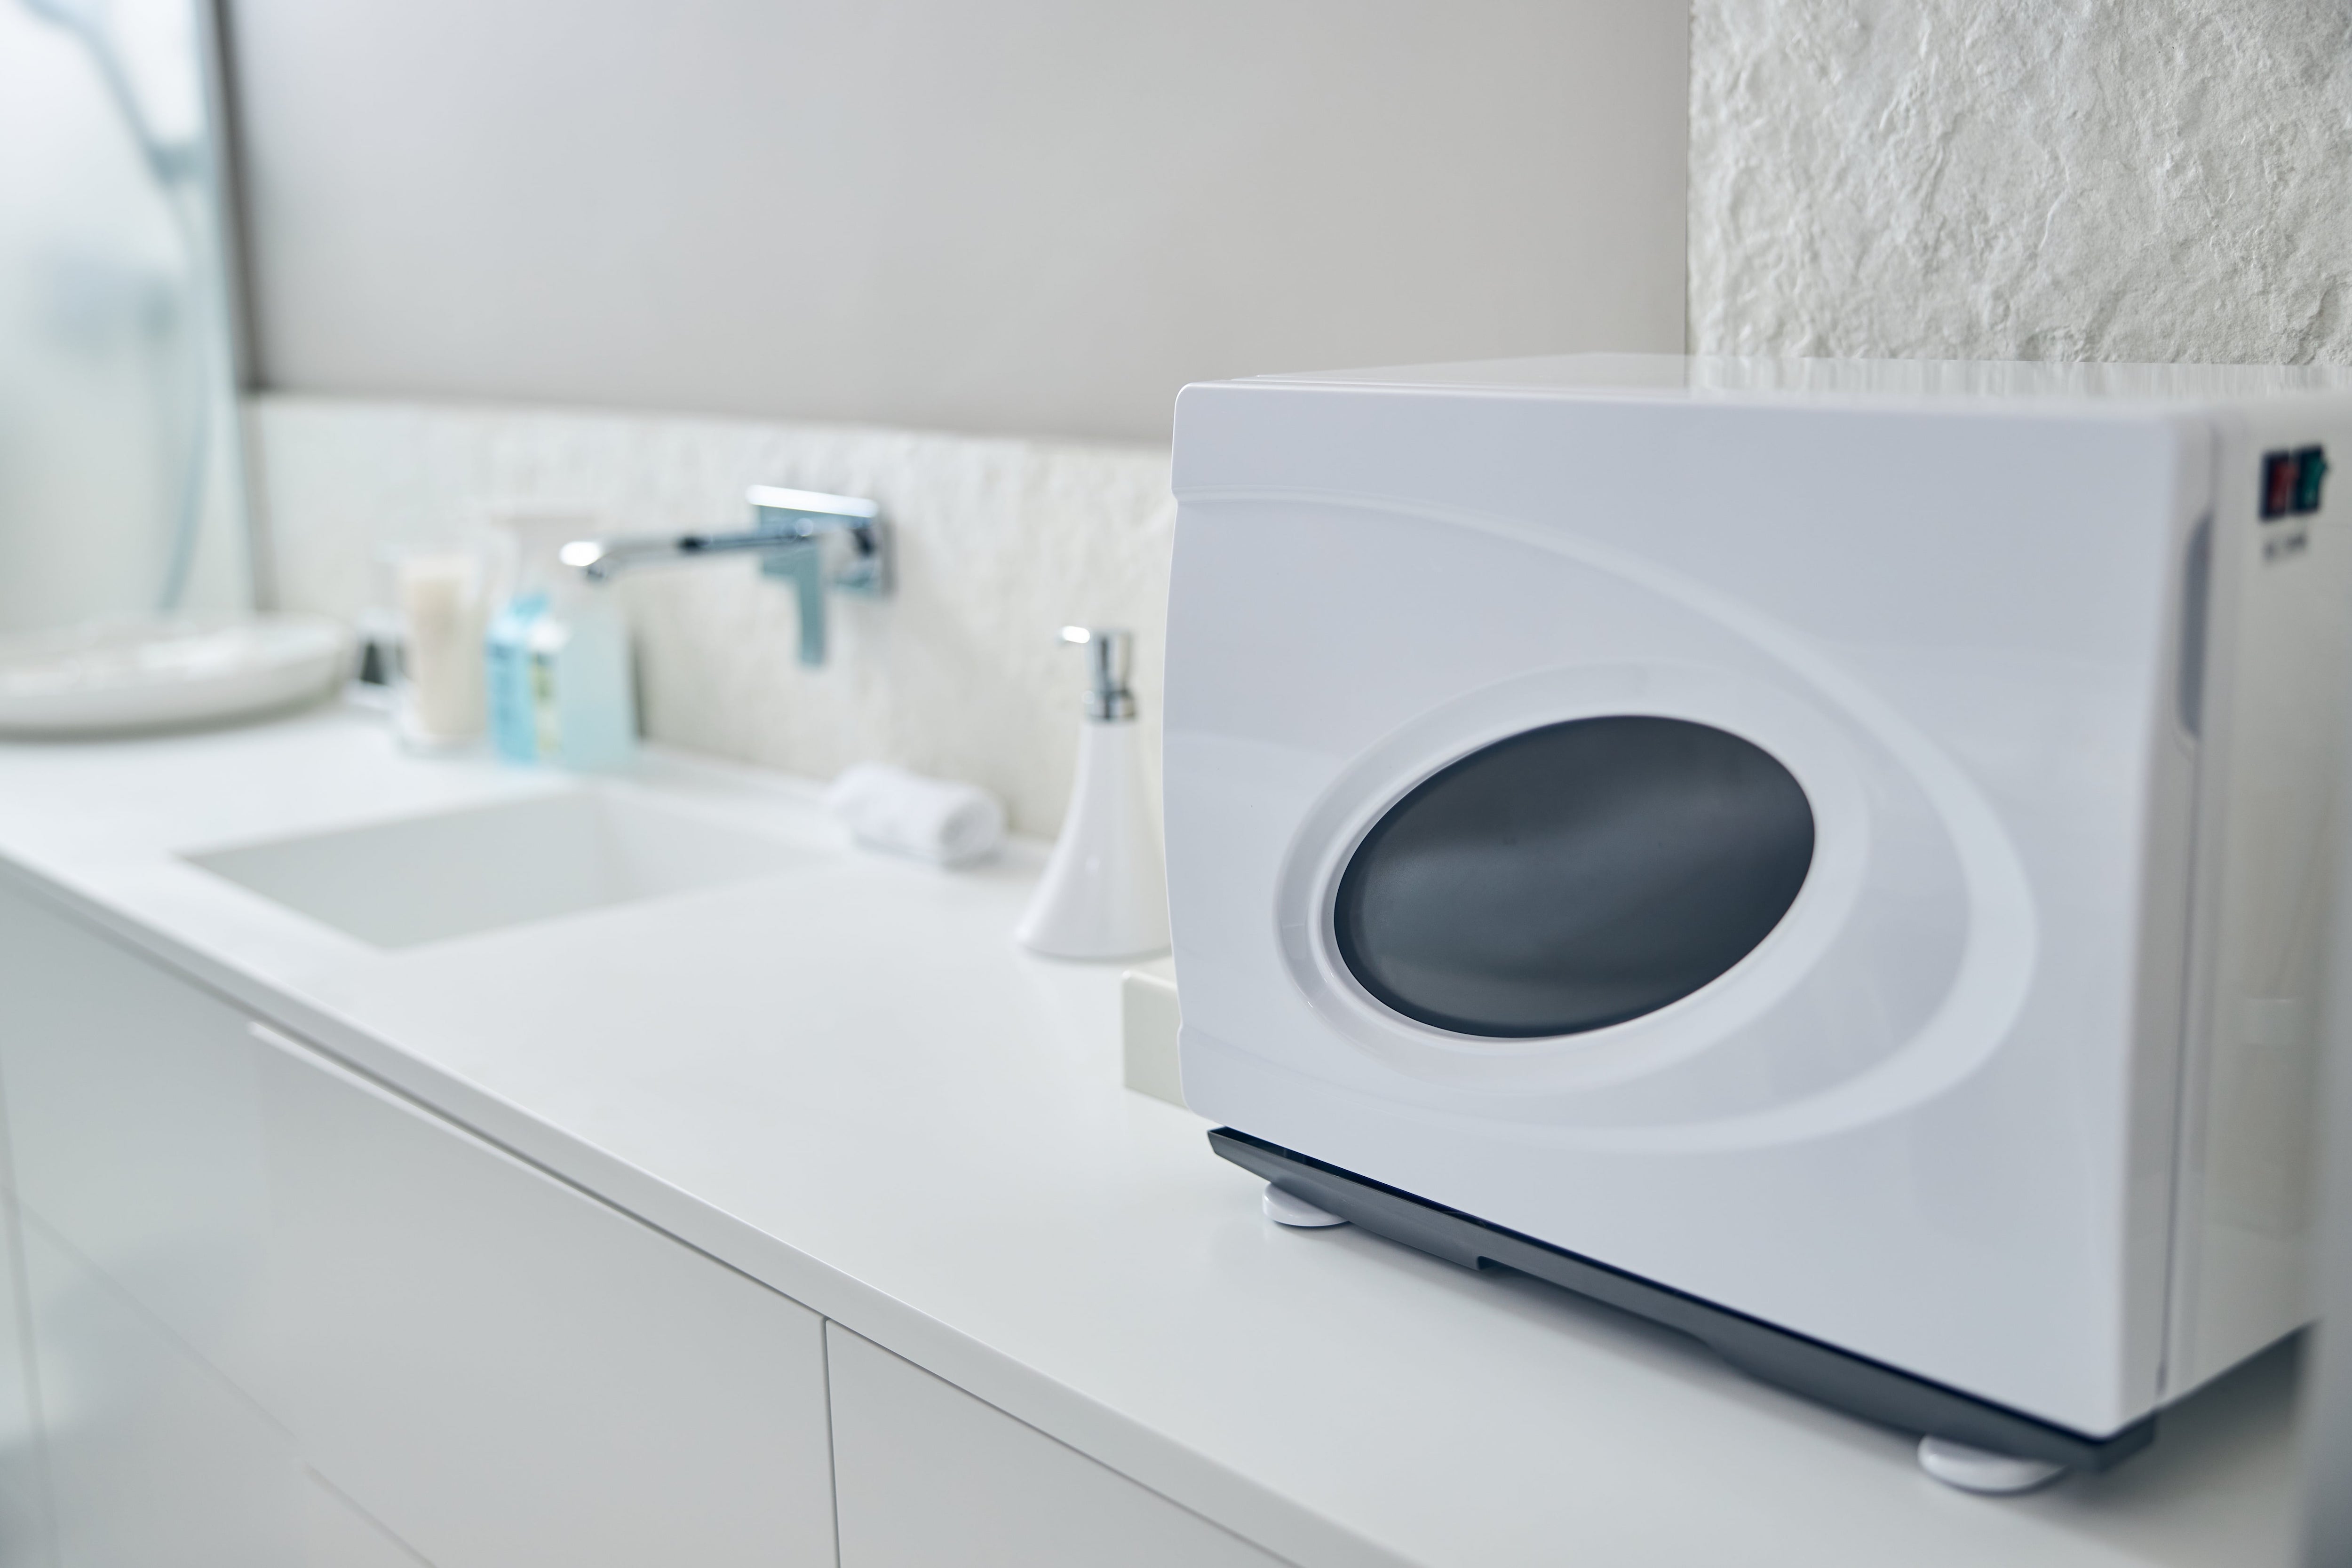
1105	892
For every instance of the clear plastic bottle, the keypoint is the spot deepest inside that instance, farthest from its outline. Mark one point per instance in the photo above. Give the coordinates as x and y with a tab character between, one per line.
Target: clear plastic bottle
583	702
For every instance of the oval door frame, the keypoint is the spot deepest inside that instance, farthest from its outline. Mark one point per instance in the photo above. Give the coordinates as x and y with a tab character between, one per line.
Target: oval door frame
1818	750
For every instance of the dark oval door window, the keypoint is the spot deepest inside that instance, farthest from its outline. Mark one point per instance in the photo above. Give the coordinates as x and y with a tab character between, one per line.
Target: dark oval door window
1574	876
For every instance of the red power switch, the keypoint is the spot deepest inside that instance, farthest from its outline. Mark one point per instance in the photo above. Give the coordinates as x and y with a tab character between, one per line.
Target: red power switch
2280	471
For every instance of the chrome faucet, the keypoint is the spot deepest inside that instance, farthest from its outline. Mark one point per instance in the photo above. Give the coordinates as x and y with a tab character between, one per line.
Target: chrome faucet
788	533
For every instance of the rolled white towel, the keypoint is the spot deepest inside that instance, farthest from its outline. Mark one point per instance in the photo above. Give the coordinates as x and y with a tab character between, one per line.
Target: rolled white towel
888	808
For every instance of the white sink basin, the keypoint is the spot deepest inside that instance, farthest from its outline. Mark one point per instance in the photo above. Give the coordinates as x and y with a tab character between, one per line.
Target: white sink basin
426	879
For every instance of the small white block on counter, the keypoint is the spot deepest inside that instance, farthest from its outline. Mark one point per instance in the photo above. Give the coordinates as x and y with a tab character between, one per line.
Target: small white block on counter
1147	1020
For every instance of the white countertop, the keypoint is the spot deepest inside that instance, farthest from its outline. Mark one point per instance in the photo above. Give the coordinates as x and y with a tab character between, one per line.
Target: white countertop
848	1083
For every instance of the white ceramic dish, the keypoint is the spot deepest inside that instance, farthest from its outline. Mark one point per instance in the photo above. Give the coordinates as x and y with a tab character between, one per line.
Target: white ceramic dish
124	676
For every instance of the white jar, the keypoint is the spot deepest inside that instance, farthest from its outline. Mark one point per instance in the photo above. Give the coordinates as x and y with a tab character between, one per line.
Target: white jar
437	700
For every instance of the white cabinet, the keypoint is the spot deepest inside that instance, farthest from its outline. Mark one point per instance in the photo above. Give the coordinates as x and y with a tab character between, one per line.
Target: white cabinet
24	1506
153	1457
282	1315
929	1476
135	1130
504	1370
336	1534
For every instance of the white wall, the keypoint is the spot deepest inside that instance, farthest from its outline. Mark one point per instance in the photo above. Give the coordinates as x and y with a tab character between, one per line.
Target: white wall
1030	216
2156	180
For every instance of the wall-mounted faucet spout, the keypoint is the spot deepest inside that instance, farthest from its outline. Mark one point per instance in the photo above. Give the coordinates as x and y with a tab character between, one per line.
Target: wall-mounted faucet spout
789	533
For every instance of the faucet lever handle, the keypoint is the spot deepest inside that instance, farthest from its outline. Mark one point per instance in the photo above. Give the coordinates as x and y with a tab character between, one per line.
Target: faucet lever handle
804	564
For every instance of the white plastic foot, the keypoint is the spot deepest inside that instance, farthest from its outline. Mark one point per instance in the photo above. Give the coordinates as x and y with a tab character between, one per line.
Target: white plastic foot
1288	1208
1977	1470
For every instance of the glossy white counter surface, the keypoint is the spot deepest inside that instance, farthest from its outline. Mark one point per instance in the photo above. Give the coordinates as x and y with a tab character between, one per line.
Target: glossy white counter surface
847	1082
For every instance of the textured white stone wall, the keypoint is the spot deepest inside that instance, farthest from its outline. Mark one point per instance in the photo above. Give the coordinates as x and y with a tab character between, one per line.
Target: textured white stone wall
1000	542
2159	179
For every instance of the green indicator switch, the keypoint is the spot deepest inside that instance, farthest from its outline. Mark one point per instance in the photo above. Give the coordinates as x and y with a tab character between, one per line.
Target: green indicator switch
2310	473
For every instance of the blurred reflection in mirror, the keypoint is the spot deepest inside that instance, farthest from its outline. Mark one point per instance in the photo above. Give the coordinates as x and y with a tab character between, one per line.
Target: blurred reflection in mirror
120	495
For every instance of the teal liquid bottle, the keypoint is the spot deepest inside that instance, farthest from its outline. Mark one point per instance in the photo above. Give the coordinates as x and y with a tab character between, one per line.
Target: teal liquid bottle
514	722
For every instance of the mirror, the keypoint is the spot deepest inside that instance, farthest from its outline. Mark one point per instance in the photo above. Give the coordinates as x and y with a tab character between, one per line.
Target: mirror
120	491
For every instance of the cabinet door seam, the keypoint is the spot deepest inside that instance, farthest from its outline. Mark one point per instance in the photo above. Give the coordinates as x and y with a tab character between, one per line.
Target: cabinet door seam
832	1461
1110	1470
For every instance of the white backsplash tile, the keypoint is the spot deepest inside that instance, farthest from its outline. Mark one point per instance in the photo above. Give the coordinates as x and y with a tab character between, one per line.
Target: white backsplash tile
956	674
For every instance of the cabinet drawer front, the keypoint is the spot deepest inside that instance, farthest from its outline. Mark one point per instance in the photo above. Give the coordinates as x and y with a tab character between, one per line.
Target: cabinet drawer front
505	1370
153	1457
24	1509
135	1130
929	1477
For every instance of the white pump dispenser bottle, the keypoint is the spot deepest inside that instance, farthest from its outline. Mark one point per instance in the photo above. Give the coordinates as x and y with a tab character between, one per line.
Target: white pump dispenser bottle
1105	892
